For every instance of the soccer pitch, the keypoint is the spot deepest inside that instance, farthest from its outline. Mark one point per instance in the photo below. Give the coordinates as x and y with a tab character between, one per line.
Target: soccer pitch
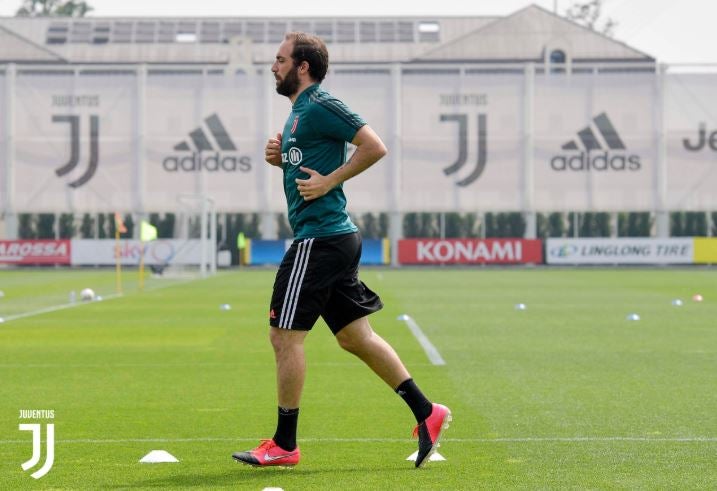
564	394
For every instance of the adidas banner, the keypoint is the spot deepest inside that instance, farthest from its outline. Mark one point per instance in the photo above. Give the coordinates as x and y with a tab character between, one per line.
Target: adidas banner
595	142
206	135
459	139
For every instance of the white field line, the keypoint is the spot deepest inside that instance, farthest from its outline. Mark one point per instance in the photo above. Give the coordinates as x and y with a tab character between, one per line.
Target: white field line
587	439
433	355
351	363
55	308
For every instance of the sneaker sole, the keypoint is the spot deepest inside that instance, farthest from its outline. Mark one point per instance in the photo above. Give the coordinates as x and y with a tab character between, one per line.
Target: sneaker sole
264	466
446	423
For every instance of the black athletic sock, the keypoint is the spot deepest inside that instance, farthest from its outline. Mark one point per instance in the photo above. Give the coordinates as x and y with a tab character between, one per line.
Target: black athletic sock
415	399
285	435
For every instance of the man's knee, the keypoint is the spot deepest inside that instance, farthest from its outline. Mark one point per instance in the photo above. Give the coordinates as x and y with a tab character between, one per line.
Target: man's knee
283	339
354	338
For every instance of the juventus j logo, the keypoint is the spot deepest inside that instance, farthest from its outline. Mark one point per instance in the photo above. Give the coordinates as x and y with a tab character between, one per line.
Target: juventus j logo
75	147
36	429
462	120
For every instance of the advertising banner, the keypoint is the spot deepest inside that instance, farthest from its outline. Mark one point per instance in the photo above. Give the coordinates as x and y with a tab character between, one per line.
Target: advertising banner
620	251
594	142
35	251
691	137
74	141
373	251
205	135
469	251
459	139
705	250
160	252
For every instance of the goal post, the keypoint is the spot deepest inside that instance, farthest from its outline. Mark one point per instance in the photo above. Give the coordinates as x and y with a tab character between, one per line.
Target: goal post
197	220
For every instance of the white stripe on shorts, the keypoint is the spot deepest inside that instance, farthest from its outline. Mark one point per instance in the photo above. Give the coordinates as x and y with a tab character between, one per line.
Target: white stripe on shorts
293	288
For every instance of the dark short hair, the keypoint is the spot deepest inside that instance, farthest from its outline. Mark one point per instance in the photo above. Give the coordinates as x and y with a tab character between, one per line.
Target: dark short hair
312	50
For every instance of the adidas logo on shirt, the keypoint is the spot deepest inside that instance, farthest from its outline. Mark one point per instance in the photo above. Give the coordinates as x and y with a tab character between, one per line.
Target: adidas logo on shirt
600	150
212	155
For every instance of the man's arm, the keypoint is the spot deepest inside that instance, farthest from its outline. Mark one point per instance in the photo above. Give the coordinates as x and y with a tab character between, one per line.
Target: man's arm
369	150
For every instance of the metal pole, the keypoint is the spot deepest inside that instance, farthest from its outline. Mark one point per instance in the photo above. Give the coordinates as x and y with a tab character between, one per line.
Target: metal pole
11	226
139	155
614	224
395	215
203	226
662	215
708	220
576	224
213	238
531	223
268	224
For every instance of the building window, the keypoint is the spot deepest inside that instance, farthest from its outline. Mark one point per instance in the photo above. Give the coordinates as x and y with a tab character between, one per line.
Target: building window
557	56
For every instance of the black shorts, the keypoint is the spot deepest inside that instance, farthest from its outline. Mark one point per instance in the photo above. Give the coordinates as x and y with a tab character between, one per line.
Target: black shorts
319	277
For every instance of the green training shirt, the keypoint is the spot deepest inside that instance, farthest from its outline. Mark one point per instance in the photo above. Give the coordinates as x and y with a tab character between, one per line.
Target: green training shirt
315	136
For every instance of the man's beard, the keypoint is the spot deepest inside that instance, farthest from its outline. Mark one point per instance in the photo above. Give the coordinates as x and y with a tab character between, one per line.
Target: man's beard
290	85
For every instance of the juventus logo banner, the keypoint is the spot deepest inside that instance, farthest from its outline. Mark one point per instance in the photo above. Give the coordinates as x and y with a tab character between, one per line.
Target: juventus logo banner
691	137
74	141
461	141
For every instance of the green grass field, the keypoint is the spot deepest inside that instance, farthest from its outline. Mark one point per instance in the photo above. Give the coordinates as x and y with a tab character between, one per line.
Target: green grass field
566	394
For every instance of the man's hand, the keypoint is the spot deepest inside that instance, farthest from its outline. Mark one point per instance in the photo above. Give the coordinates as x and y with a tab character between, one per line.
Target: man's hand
272	152
315	186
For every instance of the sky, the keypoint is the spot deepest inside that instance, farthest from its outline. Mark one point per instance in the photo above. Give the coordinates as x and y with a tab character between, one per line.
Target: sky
673	31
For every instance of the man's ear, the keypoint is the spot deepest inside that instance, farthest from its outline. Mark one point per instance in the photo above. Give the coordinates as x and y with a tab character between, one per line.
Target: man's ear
304	66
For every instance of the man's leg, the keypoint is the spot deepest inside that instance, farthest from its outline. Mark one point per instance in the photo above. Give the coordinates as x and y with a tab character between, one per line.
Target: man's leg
290	374
290	364
358	338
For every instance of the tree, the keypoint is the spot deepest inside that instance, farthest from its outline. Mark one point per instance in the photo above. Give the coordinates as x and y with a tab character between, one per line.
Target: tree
26	226
46	226
587	13
53	8
67	226
87	227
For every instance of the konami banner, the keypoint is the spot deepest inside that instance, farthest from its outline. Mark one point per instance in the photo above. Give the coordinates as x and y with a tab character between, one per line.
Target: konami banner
469	251
620	251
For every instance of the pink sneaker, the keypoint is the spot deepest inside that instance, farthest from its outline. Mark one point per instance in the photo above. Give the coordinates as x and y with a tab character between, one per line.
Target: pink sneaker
268	454
429	432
